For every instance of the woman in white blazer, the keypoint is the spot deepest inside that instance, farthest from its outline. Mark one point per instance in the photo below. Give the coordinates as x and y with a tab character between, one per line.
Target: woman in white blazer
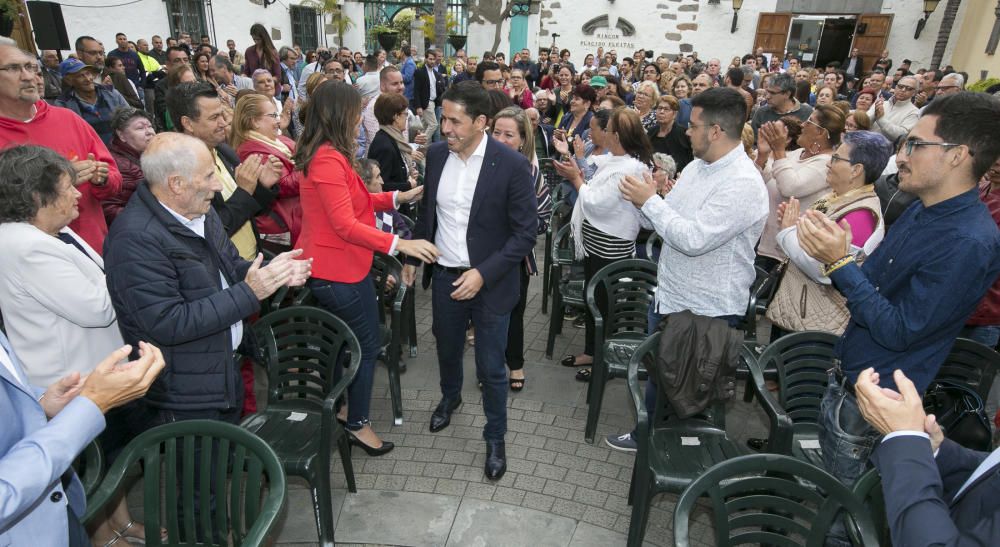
53	295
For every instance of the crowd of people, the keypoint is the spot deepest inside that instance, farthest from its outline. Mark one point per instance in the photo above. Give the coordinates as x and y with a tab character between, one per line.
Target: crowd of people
141	187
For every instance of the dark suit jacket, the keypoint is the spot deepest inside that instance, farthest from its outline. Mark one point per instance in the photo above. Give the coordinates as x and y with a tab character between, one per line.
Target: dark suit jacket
502	221
859	66
241	206
422	88
385	150
920	494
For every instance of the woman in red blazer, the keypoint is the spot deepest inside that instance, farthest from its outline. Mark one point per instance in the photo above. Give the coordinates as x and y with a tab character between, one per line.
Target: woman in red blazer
339	233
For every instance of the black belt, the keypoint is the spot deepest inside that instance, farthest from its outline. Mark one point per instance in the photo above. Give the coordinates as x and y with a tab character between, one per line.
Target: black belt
449	269
841	378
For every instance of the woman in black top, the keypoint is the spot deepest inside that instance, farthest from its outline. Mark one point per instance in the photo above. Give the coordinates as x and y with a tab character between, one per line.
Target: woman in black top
668	137
389	147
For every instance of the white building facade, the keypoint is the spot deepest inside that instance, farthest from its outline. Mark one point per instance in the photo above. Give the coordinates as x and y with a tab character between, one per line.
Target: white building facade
664	26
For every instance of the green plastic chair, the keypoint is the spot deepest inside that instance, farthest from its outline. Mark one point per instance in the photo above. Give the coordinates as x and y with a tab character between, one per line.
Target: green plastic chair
561	213
673	452
409	332
286	297
868	488
89	467
972	364
246	478
302	345
761	292
567	290
769	499
629	289
390	331
800	362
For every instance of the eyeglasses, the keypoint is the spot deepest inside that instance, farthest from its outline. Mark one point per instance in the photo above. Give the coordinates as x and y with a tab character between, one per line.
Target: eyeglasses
492	82
940	87
30	68
835	157
905	87
95	52
909	145
274	115
810	122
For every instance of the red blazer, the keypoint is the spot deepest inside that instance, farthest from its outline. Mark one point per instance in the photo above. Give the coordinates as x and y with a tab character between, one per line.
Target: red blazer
338	219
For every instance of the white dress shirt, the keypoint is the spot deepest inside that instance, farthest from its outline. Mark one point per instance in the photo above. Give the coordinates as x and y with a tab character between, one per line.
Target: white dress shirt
432	78
197	225
454	205
709	223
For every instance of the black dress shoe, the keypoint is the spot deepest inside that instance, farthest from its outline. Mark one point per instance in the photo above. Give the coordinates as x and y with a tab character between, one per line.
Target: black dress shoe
496	460
442	414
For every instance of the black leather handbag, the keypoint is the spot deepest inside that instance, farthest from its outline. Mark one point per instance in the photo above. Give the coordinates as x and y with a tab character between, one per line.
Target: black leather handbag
960	413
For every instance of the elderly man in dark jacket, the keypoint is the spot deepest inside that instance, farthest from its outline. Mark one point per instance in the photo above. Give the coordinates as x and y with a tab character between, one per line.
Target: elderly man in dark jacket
177	280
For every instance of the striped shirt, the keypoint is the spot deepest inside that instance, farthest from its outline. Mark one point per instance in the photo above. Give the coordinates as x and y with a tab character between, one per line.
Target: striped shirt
602	245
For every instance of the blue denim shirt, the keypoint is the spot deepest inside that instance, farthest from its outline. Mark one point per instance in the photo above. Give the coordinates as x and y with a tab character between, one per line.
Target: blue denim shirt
912	296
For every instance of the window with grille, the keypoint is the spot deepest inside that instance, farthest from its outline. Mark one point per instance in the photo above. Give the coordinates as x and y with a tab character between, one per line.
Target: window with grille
186	16
304	27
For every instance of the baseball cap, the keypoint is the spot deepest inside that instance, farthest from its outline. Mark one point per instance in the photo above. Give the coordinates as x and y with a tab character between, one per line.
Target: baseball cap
72	66
598	81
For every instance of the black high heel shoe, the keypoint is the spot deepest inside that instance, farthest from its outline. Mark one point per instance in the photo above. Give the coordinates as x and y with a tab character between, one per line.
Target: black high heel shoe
353	440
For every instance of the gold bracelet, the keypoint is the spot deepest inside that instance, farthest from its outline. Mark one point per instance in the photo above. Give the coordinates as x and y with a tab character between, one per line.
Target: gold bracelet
840	263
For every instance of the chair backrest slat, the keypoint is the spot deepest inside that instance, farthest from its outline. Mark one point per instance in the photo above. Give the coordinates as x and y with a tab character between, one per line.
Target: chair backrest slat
187	481
204	479
151	491
972	364
220	472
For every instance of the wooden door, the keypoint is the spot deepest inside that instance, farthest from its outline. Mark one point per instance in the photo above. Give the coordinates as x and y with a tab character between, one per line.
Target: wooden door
871	36
772	33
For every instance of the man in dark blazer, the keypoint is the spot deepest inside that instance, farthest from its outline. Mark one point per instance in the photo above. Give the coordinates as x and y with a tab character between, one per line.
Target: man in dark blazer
428	88
479	209
197	112
936	492
854	65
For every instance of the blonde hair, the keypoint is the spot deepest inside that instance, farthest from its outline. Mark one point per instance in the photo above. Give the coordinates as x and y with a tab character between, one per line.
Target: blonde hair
248	108
523	127
655	99
747	137
313	81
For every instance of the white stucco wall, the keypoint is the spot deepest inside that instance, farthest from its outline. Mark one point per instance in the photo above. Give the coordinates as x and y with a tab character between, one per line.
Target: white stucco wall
661	25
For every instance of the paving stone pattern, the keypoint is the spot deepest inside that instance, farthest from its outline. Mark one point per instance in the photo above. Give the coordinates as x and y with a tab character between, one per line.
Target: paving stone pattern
558	490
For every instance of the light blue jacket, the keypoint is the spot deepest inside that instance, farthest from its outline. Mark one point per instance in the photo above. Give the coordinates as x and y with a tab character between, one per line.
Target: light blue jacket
34	454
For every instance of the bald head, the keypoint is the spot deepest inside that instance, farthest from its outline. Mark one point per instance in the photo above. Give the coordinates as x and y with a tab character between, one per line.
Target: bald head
170	154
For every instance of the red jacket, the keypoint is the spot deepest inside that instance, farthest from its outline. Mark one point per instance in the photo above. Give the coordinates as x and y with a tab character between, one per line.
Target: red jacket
988	311
338	219
287	208
131	170
63	131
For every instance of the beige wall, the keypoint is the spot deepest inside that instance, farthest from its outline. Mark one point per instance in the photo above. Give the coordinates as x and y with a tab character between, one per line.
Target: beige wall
970	51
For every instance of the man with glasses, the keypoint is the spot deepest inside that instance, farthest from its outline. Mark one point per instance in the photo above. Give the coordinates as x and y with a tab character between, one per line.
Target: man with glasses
488	75
176	56
781	101
26	119
912	296
895	117
710	221
90	51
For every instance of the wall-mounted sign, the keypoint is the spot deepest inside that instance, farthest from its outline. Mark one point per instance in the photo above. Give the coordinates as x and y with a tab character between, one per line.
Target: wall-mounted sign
604	32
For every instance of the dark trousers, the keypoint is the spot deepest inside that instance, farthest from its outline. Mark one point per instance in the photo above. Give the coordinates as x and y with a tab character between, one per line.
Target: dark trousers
450	319
357	305
515	333
591	265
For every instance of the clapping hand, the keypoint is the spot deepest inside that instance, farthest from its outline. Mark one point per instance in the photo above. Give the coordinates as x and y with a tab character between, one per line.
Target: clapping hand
301	268
823	239
788	213
638	191
560	142
887	410
264	281
569	170
60	393
111	384
411	195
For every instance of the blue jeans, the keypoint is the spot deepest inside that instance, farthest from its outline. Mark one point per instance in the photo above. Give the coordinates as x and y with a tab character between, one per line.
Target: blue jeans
356	305
847	440
450	319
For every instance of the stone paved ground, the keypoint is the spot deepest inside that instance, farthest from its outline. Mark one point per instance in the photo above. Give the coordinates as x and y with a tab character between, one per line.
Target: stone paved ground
558	489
